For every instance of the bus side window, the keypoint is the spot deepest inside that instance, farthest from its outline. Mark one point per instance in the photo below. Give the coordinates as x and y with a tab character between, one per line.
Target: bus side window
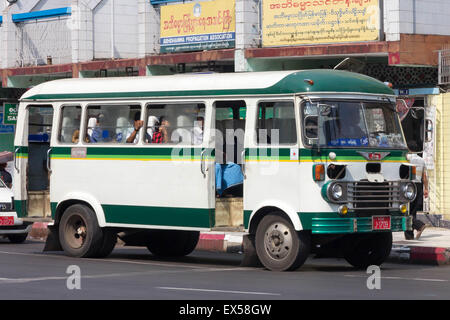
276	123
175	123
69	131
112	123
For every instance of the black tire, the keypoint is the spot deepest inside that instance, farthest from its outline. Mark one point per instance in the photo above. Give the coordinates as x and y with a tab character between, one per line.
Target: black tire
172	243
108	244
18	238
79	233
279	246
364	250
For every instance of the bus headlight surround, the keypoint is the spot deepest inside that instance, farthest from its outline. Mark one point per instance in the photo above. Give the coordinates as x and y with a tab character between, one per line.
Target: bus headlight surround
336	192
409	191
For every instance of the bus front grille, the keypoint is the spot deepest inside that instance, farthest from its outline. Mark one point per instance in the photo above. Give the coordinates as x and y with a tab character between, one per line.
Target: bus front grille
376	197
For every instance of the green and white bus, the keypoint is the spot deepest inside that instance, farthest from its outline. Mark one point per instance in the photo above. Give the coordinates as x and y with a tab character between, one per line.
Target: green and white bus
321	155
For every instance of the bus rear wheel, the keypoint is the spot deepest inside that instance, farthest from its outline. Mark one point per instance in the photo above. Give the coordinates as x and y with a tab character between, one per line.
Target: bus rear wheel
279	246
172	243
80	235
364	250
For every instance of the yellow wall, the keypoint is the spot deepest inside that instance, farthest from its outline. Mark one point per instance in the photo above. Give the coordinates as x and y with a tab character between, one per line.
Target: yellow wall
440	176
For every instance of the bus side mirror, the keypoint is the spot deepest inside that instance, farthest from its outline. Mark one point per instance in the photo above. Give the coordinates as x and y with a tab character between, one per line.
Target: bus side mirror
311	128
401	108
428	130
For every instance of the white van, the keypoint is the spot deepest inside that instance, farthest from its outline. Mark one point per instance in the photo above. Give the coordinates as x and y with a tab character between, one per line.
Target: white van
11	227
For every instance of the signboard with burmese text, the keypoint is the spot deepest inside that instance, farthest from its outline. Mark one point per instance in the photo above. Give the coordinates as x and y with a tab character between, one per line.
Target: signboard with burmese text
198	26
299	22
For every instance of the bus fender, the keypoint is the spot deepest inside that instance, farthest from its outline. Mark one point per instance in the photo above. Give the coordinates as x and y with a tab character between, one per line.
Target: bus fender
288	210
93	202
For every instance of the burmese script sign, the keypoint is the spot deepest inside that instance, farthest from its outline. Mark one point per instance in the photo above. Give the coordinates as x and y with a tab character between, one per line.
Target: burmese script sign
198	26
294	22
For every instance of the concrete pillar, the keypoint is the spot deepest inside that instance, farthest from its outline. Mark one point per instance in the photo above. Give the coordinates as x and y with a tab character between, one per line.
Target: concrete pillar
9	55
81	26
148	28
247	31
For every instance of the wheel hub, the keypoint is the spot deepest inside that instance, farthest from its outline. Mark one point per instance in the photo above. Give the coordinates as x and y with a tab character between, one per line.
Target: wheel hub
278	241
76	232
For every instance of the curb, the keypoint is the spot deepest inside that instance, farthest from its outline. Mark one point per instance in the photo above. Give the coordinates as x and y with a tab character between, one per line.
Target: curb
220	242
420	255
39	230
223	242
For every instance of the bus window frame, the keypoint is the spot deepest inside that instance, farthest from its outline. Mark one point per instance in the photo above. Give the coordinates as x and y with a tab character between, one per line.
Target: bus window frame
27	118
60	119
255	128
85	120
176	102
355	99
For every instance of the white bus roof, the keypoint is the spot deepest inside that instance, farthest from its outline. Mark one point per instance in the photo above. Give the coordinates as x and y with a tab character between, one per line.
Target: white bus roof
213	84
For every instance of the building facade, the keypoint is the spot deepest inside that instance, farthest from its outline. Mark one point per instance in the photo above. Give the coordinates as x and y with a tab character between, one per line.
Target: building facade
397	41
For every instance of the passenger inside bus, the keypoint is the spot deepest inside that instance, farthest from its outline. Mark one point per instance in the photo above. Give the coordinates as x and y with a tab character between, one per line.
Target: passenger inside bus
197	135
152	124
133	132
161	132
76	136
94	132
229	177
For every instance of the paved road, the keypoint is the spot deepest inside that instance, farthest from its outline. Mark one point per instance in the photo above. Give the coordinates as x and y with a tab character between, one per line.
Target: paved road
132	273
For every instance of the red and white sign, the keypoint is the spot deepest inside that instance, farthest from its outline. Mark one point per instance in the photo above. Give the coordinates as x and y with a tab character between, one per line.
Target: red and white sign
7	221
381	223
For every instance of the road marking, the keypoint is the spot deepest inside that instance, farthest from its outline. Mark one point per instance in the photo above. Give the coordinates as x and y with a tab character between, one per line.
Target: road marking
190	268
400	278
160	264
98	276
220	291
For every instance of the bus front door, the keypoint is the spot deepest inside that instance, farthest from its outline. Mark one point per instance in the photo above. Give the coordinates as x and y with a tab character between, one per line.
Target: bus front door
32	160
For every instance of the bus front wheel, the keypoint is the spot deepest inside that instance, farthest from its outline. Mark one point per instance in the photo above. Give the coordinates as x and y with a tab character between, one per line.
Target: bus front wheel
80	235
172	243
364	250
279	246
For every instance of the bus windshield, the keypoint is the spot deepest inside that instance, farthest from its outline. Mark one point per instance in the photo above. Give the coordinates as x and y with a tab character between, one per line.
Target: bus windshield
355	125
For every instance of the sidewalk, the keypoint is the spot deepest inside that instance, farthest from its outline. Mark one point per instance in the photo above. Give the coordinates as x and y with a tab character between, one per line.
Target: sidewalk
432	248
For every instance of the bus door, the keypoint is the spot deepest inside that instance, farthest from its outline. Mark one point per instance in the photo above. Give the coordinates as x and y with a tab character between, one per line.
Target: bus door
32	161
418	120
230	119
272	159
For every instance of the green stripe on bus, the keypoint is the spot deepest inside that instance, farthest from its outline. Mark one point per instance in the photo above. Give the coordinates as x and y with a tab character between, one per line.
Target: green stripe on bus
21	208
350	154
158	216
332	222
264	153
193	153
187	153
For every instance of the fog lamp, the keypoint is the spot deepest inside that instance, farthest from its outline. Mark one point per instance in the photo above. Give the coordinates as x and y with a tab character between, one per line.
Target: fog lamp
343	210
403	208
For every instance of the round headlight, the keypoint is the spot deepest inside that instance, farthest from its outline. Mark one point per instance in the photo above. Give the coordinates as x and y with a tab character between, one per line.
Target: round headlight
409	191
337	191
